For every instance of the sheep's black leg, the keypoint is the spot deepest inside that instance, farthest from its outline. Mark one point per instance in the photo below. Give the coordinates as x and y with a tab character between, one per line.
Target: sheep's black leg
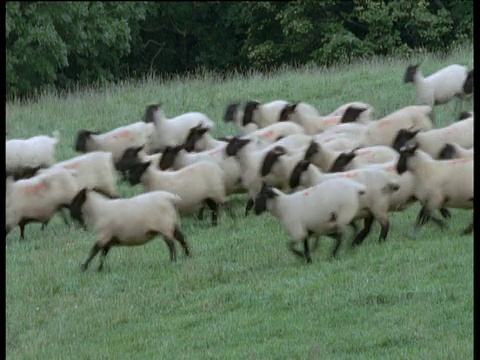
306	250
103	255
213	206
445	213
44	225
95	249
249	206
171	248
338	241
385	226
200	213
295	251
181	239
354	226
367	225
468	229
22	225
316	242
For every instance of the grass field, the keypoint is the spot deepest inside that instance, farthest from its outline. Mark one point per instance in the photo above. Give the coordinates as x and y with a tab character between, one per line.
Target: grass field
242	294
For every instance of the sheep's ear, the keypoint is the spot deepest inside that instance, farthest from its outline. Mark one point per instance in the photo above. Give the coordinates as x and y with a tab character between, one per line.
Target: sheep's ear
297	171
81	140
351	114
168	157
403	136
464	115
250	107
288	110
312	149
235	145
410	73
447	152
270	158
341	161
149	116
230	112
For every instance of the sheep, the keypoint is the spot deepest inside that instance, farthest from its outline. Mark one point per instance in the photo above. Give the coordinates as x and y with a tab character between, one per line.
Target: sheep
94	170
23	157
199	184
314	123
324	209
432	141
380	185
116	140
129	222
438	183
173	131
455	151
234	114
262	114
37	199
441	86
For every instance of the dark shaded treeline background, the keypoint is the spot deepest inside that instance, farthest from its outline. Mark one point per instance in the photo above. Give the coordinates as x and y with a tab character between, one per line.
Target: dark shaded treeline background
61	45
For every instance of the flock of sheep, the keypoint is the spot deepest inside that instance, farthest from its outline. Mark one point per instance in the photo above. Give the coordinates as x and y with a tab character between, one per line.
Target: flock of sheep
316	174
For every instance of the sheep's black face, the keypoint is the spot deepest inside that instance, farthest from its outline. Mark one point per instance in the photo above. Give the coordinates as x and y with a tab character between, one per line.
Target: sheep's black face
234	145
464	115
297	173
410	73
265	194
81	141
193	136
149	116
288	110
341	161
405	155
248	112
25	172
468	84
312	149
168	157
270	159
351	114
136	172
76	207
447	152
230	112
403	136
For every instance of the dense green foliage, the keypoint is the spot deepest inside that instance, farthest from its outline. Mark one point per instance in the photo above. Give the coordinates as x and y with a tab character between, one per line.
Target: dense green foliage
242	294
63	44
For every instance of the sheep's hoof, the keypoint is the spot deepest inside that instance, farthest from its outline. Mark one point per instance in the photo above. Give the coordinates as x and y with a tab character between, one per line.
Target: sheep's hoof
308	260
83	267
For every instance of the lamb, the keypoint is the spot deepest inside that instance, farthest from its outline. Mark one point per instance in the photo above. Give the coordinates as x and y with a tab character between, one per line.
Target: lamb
116	140
262	114
441	86
23	157
432	141
234	113
374	205
129	222
455	151
173	131
94	170
37	199
438	183
199	184
324	209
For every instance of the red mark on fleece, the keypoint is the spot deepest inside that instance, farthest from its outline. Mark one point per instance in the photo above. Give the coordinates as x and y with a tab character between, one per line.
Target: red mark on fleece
184	172
34	189
363	152
459	161
306	193
121	134
384	122
266	134
215	151
349	174
391	168
73	165
331	120
450	130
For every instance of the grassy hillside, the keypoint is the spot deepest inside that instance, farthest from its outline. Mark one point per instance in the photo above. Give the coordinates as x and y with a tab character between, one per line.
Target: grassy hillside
242	294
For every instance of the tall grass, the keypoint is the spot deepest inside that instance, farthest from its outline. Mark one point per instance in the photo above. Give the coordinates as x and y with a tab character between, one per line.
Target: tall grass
242	294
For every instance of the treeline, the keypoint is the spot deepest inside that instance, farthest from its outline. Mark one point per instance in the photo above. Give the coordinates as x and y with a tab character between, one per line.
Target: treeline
59	45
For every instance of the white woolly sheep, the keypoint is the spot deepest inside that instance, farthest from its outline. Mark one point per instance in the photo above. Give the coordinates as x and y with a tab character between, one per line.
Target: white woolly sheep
432	141
173	131
438	183
95	171
441	86
37	199
324	209
129	222
374	205
199	184
116	140
262	114
23	157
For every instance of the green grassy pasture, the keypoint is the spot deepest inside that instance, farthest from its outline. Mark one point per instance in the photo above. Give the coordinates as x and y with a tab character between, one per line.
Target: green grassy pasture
242	294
